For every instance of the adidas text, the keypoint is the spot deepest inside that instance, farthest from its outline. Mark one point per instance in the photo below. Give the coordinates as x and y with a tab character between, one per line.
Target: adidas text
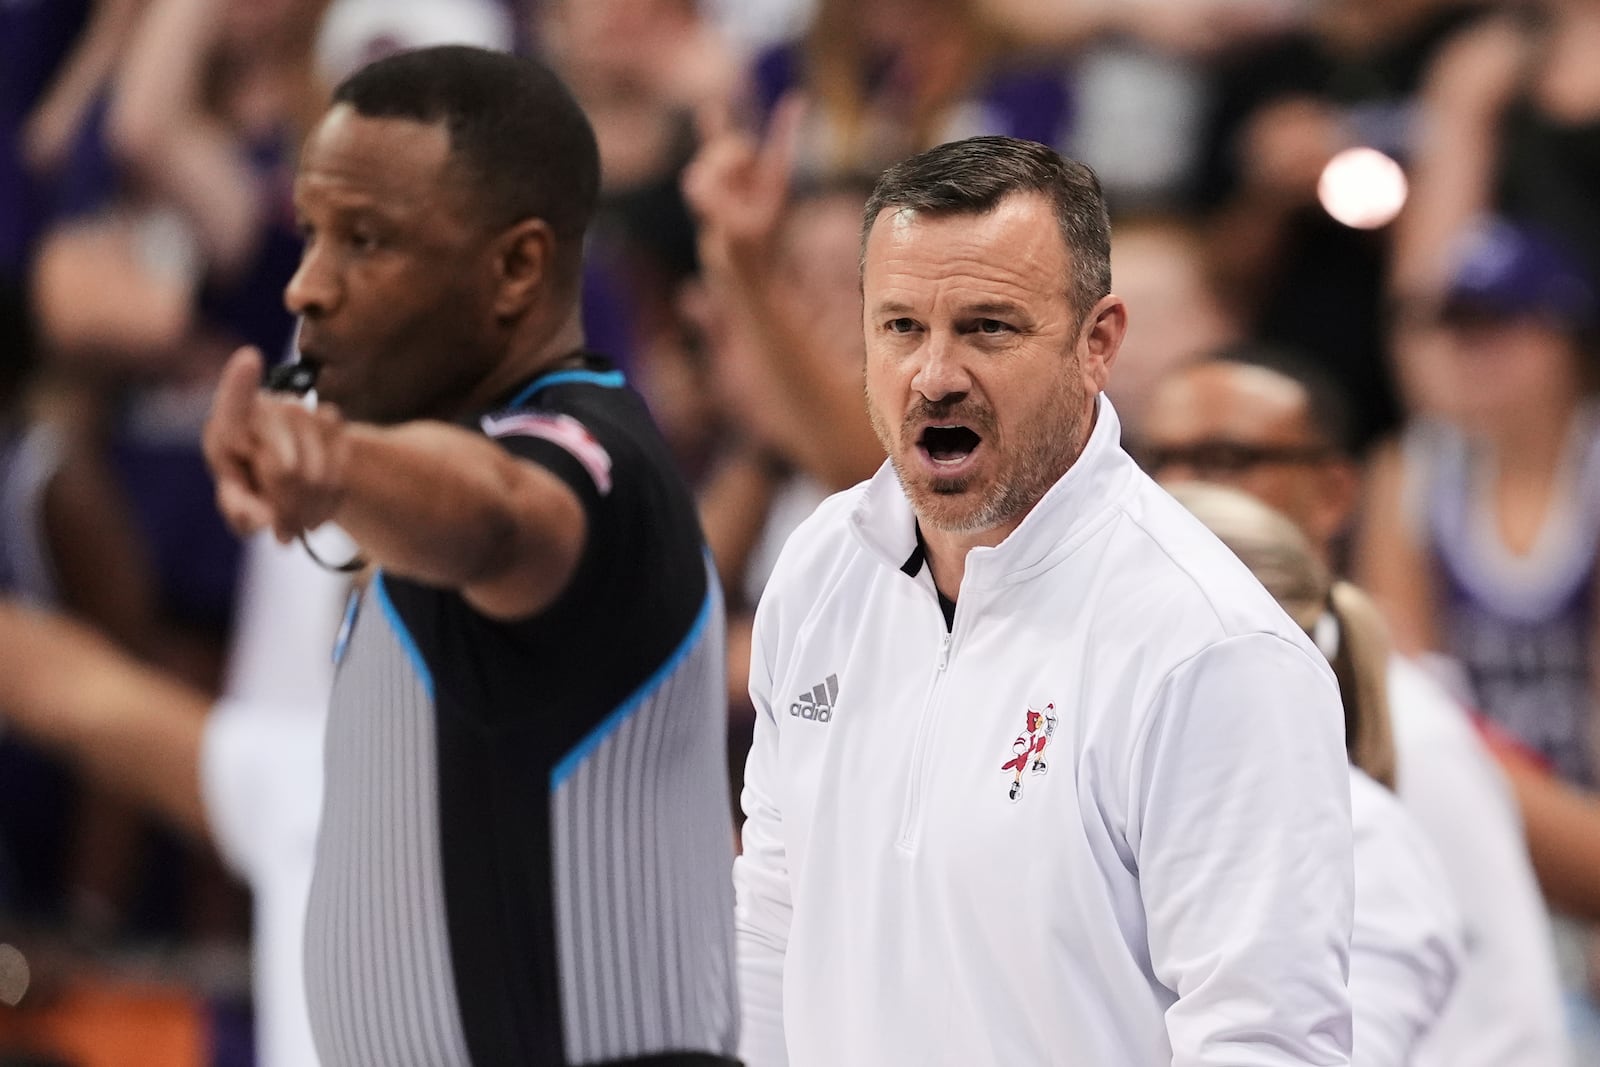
817	703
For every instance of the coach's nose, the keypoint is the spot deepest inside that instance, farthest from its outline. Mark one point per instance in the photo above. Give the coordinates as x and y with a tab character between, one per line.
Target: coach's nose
941	374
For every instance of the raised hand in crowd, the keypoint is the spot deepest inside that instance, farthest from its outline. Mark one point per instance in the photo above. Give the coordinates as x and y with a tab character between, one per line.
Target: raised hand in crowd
784	328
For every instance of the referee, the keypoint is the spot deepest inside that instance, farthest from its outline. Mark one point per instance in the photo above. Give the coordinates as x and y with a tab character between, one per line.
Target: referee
524	850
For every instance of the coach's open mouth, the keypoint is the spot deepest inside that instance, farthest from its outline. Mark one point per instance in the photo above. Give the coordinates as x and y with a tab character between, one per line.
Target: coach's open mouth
948	445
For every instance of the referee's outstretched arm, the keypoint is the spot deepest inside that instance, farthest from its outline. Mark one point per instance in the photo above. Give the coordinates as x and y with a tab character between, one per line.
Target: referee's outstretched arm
424	499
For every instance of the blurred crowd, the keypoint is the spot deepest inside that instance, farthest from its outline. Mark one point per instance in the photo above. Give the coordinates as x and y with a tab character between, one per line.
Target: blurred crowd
1402	359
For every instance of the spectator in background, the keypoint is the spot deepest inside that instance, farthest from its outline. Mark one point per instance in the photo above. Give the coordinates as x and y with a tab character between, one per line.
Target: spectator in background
1184	26
179	186
779	310
1510	125
784	308
243	773
1162	267
65	542
644	71
1482	535
1138	76
1282	108
752	25
67	539
1409	943
1262	422
890	77
174	213
354	33
55	56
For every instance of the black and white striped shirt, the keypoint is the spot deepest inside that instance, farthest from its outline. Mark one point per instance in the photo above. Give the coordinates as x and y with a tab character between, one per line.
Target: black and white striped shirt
525	849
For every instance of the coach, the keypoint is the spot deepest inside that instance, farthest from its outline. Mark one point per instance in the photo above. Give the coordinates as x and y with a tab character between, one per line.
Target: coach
1040	773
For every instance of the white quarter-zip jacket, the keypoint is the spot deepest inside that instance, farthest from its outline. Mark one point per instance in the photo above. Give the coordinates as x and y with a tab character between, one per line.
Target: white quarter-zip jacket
1103	820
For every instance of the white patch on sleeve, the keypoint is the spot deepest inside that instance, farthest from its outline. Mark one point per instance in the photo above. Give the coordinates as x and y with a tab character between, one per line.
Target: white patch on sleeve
563	430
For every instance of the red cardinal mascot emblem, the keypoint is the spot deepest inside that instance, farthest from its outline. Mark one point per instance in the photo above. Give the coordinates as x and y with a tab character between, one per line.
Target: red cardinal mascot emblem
1027	751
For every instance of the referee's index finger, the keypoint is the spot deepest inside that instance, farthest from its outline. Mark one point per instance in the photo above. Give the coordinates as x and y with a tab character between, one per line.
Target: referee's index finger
236	391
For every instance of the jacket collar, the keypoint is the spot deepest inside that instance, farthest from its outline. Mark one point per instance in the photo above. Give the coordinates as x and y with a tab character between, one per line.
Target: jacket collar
1072	508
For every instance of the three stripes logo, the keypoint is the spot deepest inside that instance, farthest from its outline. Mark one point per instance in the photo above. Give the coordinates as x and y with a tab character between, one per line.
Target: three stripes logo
817	704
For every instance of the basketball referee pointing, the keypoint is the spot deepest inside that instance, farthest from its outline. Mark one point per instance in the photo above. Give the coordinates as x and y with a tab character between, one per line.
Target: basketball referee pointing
524	851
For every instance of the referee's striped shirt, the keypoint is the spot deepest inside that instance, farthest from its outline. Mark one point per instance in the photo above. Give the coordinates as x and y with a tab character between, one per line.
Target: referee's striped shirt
525	850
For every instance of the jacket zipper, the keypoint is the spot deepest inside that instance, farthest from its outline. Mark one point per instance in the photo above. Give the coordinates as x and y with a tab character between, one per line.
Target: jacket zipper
906	839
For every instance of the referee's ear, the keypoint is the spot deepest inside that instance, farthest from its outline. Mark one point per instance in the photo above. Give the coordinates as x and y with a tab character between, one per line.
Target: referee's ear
525	268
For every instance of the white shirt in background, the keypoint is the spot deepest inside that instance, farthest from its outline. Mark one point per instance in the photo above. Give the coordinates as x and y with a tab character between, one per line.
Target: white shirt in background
353	33
1507	1008
753	25
261	773
1408	944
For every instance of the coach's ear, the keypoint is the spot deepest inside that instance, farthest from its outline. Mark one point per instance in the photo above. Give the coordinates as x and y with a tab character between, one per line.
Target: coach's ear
524	262
1100	339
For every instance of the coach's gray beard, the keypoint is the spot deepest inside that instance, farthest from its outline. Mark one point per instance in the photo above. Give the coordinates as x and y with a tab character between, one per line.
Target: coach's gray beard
1039	460
932	505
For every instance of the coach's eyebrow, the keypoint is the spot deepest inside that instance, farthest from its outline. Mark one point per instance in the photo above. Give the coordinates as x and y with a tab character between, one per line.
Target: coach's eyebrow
994	307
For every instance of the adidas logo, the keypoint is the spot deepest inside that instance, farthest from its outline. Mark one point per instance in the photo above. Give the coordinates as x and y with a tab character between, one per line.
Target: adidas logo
818	703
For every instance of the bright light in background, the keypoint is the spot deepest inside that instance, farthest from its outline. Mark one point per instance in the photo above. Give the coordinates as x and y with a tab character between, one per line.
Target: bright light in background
14	975
1362	188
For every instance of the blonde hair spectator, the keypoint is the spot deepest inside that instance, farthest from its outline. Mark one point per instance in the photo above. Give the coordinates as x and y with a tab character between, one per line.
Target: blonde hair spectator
1281	558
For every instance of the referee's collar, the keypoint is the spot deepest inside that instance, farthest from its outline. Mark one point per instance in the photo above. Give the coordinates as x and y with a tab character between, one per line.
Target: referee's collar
581	367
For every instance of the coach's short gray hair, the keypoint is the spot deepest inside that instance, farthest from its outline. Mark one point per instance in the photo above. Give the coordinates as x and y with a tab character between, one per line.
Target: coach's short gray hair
973	176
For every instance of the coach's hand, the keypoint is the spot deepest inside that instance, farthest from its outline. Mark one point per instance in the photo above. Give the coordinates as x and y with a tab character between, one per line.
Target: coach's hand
276	463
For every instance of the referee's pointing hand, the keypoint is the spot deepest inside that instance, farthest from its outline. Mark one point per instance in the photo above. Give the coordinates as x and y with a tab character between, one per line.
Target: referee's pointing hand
276	463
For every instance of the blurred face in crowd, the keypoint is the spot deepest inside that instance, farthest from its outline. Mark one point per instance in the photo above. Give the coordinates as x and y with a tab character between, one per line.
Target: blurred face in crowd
818	250
890	22
981	375
249	22
1497	371
612	40
1249	428
1160	271
396	281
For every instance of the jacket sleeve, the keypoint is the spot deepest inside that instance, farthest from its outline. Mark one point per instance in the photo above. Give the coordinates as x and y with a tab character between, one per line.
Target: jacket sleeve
1241	833
1409	942
761	878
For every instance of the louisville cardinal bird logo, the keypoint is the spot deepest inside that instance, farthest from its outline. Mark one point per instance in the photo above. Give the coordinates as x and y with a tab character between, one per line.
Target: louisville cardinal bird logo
1027	751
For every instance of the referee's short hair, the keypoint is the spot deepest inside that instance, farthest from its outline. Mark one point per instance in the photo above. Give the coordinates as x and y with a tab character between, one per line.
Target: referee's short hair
515	130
